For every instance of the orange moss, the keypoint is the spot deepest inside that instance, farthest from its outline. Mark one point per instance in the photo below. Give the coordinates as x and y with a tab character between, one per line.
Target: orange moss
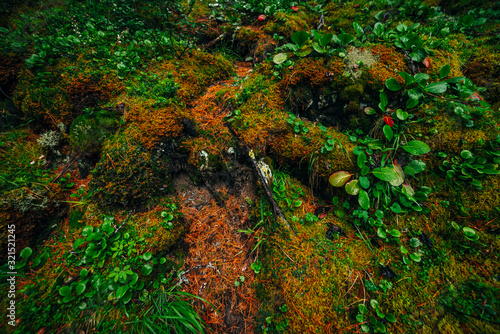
85	90
153	124
390	63
316	71
217	258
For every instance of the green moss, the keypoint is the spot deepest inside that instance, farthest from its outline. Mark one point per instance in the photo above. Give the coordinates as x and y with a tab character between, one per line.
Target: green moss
127	174
285	25
88	132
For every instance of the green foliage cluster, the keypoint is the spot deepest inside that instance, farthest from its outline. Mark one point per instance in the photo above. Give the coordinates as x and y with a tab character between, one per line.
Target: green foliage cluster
90	130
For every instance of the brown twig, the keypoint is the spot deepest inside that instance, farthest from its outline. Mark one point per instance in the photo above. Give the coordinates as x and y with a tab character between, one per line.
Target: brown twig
72	161
262	179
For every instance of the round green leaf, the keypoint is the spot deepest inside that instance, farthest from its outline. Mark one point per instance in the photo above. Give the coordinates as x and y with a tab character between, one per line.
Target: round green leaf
146	269
416	147
364	182
374	303
390	317
385	173
470	233
392	84
364	199
362	308
401	115
466	154
340	178
396	208
65	291
83	273
106	227
297	203
80	288
414	242
147	256
414	167
26	252
352	187
300	38
87	230
408	190
280	58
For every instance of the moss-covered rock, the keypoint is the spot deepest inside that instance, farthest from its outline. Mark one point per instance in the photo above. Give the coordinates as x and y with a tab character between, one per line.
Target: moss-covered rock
127	174
88	132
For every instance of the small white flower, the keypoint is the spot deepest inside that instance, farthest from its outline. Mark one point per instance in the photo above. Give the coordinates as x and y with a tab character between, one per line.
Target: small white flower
31	163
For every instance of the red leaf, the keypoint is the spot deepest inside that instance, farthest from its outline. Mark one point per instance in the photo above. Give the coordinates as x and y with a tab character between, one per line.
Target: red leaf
426	62
389	121
261	17
295	8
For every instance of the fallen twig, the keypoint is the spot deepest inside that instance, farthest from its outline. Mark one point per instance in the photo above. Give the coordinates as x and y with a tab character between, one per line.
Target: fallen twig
262	179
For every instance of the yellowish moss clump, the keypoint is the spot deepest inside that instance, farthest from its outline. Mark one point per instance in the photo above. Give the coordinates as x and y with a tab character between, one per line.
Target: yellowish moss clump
340	16
285	24
195	72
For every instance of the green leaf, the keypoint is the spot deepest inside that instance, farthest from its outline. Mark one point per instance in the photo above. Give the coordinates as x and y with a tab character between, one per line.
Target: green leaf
78	242
87	230
358	29
414	167
353	187
437	87
300	38
121	291
362	160
362	308
378	29
383	101
325	39
369	111
416	147
364	182
401	115
381	233
414	242
385	173
395	233
470	233
408	190
411	103
80	288
280	58
304	53
466	154
421	77
407	78
364	199
390	317
297	203
396	208
146	269
374	304
340	178
65	291
392	84
444	71
147	256
415	257
83	273
389	134
415	93
26	253
400	176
